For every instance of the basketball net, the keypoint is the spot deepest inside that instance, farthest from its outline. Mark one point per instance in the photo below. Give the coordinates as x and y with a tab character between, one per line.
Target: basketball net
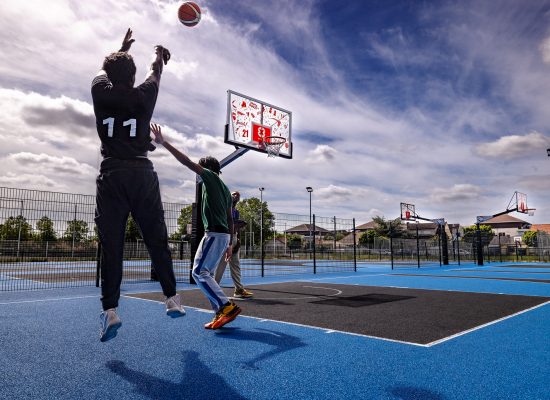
273	145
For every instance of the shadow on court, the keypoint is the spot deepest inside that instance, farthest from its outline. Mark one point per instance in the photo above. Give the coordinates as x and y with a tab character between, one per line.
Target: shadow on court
281	342
197	381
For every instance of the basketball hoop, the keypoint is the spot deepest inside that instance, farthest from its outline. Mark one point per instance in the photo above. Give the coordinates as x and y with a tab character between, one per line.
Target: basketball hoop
273	145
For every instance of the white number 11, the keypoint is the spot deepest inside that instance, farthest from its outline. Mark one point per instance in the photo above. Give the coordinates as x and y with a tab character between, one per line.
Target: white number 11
110	122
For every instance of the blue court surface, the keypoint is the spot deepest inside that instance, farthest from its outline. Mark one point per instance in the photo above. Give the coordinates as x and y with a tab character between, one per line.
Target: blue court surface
50	347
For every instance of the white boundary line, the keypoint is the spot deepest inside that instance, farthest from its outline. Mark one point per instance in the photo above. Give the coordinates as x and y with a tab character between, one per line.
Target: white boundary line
45	300
484	325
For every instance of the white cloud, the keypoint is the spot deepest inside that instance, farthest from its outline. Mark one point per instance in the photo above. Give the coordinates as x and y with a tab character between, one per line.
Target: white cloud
458	193
45	162
545	50
322	153
515	146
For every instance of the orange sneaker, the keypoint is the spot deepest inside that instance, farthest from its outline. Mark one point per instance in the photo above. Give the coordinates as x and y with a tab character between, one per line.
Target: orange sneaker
227	314
209	325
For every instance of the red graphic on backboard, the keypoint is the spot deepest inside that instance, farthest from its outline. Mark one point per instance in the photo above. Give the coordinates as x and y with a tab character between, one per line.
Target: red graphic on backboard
407	214
260	132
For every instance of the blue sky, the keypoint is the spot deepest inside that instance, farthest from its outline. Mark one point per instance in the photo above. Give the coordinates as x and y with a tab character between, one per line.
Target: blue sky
437	103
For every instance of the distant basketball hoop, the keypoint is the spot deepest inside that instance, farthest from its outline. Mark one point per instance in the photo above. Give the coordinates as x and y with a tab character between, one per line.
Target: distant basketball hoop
407	212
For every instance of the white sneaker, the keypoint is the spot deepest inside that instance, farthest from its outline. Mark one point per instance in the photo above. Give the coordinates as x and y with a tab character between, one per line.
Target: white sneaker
173	307
110	322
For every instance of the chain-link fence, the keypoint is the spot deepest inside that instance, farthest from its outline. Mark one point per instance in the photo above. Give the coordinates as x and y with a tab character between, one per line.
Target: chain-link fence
49	240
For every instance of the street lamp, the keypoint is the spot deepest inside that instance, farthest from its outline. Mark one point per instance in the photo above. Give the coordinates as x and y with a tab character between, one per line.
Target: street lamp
548	152
309	189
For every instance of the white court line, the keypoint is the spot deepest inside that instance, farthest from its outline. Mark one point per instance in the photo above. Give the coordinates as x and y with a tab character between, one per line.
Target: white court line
484	325
45	300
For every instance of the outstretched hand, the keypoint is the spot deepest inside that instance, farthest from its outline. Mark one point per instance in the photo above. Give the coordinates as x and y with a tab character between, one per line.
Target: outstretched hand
162	53
127	41
158	133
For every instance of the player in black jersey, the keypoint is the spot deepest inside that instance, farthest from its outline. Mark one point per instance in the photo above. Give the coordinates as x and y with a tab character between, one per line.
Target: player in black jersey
127	182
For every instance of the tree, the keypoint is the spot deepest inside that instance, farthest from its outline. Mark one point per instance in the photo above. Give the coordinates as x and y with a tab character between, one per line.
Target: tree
185	218
383	228
76	229
470	234
46	231
530	238
367	238
250	210
15	228
133	233
294	241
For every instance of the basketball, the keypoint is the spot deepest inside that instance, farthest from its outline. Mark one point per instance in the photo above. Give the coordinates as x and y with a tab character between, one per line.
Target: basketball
189	13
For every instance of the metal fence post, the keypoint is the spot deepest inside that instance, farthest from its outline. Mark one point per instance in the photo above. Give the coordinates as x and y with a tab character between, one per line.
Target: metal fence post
314	248
354	248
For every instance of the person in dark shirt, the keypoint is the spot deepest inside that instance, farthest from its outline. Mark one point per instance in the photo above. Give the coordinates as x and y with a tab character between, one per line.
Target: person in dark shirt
234	261
218	223
127	182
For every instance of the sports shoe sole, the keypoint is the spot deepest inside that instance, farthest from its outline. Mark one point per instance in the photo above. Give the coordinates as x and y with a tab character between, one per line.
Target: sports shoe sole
111	332
225	319
209	325
175	313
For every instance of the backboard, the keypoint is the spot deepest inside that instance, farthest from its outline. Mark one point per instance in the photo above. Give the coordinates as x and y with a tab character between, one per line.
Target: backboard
521	204
407	212
250	121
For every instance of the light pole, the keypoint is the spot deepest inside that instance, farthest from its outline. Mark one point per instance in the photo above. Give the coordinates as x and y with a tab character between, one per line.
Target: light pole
309	189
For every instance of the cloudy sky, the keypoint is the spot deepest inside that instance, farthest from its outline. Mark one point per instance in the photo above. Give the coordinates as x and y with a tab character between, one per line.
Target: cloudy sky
444	104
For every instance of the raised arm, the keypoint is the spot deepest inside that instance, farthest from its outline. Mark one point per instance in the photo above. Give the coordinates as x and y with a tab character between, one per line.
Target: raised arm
161	56
125	47
182	158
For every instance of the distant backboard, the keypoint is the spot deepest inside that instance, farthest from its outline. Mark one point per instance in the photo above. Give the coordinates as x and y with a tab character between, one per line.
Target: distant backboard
407	212
521	204
251	121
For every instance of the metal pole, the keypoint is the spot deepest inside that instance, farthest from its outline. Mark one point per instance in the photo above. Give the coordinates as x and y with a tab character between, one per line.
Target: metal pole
439	245
479	248
314	255
417	246
262	229
19	234
391	246
310	190
74	232
499	248
354	249
458	245
334	234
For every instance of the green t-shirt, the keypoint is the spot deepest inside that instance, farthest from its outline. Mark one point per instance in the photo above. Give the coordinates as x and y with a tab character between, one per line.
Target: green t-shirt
216	199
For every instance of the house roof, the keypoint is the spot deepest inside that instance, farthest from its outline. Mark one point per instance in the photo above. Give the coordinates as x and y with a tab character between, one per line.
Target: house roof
305	228
541	227
366	226
505	219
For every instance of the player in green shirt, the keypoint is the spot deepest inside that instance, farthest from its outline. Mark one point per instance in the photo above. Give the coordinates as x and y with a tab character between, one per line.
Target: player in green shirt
218	223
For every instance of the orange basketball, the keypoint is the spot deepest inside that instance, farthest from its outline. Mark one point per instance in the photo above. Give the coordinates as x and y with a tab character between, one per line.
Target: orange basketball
189	13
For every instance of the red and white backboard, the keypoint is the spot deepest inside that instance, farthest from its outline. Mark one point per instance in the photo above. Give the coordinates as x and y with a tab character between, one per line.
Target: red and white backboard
250	121
407	212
